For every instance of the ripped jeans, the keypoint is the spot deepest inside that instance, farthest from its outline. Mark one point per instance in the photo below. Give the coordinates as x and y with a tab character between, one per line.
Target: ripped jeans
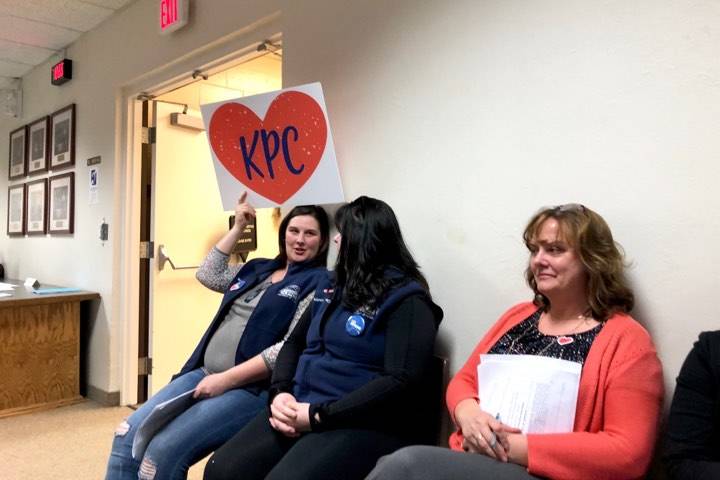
188	438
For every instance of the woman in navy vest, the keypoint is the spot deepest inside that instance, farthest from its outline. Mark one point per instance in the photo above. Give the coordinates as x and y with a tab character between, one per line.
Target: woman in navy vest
350	377
230	367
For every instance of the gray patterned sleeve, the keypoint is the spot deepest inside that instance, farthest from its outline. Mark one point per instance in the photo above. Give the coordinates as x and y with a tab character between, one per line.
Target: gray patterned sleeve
269	355
215	272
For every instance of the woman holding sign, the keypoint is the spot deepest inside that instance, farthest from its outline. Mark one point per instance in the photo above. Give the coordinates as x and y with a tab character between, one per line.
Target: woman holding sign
579	314
228	371
347	374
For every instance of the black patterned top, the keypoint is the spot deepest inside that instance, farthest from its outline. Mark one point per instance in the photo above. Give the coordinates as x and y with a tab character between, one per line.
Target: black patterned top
525	339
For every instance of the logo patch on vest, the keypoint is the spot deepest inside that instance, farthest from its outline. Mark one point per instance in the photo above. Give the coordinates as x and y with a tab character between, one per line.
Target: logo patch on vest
240	283
328	292
291	292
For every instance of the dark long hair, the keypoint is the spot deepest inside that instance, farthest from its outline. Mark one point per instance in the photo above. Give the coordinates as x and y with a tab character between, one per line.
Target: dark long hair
371	243
318	214
603	259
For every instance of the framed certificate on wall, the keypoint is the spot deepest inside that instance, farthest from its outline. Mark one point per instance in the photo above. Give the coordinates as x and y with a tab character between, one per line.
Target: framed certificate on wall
62	203
38	141
18	153
36	223
16	210
62	144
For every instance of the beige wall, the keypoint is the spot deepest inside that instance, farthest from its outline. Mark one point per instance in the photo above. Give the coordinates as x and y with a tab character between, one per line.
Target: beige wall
466	117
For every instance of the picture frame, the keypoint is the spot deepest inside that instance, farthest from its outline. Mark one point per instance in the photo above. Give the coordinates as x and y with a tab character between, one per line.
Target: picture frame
16	210
18	153
62	203
62	138
38	133
36	207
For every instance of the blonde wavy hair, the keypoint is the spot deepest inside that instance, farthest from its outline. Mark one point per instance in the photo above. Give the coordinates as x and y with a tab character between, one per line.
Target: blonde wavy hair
603	258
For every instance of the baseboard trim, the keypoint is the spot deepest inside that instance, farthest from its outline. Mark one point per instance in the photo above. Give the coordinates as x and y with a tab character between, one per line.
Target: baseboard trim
111	399
40	406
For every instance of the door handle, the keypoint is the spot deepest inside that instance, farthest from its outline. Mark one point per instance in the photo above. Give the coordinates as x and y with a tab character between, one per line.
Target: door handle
164	257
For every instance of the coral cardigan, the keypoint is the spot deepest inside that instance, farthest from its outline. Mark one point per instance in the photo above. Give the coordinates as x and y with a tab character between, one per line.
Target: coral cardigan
619	402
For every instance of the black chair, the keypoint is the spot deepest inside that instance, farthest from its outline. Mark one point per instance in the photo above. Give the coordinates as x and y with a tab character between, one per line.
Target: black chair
432	414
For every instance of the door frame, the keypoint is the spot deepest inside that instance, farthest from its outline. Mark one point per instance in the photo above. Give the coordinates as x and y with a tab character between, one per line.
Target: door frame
215	57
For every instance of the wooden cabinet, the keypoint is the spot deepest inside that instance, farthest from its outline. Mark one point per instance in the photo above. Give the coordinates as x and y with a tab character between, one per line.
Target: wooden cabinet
39	350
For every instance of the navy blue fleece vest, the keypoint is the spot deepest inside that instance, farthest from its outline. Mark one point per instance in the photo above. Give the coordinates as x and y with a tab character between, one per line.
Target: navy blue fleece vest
270	319
335	362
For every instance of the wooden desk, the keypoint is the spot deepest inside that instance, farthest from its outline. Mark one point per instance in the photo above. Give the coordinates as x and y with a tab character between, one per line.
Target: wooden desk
39	349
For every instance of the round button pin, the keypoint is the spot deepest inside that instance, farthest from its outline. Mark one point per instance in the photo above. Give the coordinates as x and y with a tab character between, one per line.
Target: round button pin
355	325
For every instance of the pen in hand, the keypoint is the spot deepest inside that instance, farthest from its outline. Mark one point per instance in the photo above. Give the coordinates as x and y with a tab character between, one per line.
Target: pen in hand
493	440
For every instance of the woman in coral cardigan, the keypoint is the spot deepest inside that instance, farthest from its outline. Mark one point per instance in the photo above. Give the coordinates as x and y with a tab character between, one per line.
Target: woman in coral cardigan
580	314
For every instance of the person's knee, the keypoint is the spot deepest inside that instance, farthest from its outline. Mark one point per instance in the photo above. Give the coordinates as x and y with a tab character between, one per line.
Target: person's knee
215	470
122	439
148	469
396	465
120	461
155	462
122	429
167	454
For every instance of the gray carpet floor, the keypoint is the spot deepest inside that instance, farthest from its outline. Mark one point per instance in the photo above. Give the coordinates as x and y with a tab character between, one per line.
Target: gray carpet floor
67	443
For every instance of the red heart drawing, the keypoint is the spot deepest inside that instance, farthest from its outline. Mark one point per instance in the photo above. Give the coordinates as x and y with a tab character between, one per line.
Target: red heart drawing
565	340
273	157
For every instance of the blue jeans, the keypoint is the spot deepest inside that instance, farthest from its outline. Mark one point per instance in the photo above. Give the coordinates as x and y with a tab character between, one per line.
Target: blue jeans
188	438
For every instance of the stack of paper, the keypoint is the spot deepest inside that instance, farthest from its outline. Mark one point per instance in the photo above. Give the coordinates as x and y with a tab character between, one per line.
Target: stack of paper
535	394
6	289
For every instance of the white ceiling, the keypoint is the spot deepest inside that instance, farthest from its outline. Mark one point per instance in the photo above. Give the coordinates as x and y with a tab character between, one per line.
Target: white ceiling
31	31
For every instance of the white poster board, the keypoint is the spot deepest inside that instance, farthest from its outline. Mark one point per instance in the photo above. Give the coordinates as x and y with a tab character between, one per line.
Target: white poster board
278	146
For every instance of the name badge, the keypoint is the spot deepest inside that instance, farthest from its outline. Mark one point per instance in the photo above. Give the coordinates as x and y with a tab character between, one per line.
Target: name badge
240	283
355	325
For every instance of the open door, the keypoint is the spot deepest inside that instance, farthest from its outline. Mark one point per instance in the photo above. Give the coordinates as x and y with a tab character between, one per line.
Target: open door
187	220
187	217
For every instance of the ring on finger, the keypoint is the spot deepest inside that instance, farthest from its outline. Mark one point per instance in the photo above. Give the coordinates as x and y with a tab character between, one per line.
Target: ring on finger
493	442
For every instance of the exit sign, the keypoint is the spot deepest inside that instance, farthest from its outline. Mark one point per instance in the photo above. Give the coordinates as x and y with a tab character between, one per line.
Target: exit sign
173	15
61	72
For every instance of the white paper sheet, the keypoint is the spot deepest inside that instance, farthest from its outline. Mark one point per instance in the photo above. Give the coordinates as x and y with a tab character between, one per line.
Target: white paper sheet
535	394
6	287
160	416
